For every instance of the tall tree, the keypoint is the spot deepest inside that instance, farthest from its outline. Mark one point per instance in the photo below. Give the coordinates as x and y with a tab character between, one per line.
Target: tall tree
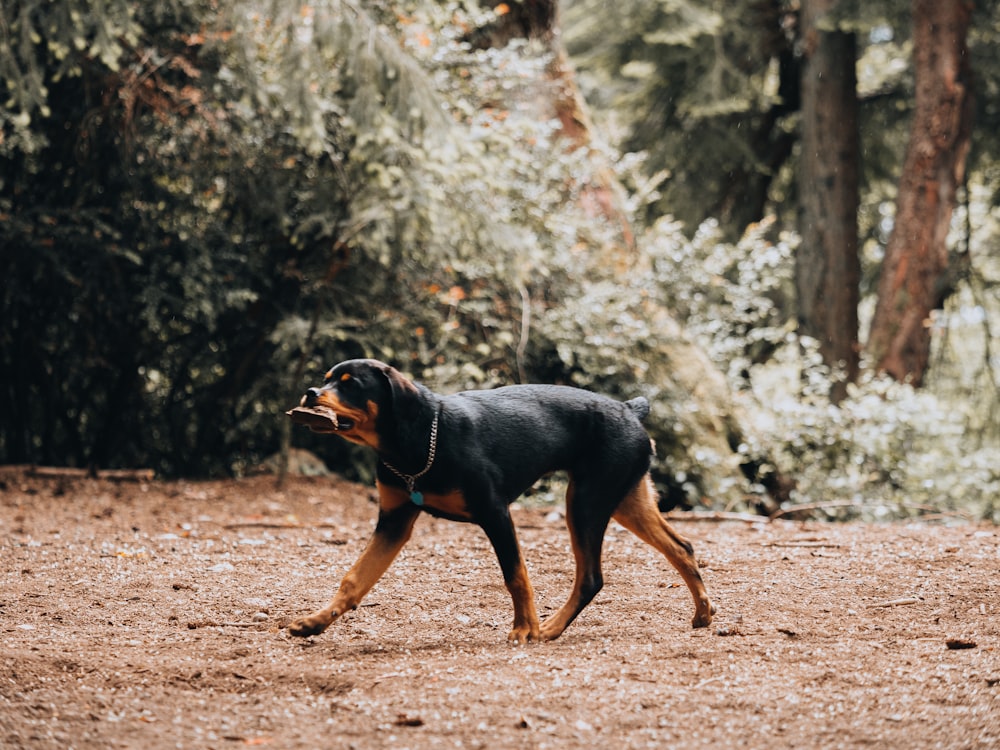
915	277
827	266
706	94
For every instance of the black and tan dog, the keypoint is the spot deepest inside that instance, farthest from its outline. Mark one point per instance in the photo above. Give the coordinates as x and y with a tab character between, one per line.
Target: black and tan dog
468	456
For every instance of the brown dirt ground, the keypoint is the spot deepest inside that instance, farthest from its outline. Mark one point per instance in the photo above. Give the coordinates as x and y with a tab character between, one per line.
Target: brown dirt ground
148	615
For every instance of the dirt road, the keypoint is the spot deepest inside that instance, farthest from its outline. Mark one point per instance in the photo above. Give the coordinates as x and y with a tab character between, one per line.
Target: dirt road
147	615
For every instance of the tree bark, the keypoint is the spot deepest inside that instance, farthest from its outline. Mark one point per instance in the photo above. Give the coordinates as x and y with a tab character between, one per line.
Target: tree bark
827	270
914	277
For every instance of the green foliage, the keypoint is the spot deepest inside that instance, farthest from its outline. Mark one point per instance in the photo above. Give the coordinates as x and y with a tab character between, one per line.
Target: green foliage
43	43
888	450
736	299
244	195
708	95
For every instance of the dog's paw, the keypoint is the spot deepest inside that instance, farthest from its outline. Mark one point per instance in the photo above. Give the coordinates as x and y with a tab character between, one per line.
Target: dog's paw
306	626
703	617
523	634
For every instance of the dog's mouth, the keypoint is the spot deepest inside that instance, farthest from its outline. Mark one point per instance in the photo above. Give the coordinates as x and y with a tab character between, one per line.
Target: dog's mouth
321	419
342	423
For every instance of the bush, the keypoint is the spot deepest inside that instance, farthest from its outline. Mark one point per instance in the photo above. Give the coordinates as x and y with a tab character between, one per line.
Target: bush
887	451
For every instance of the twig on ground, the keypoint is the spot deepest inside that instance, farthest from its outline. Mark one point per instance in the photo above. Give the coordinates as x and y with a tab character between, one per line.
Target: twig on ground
716	516
812	506
897	602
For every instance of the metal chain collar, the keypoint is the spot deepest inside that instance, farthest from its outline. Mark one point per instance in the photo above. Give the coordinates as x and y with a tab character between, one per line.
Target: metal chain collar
411	479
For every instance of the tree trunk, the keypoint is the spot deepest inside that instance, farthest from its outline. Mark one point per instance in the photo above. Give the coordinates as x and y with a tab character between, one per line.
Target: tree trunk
827	270
914	278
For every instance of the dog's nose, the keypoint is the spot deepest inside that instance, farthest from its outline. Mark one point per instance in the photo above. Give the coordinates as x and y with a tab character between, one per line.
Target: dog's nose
312	395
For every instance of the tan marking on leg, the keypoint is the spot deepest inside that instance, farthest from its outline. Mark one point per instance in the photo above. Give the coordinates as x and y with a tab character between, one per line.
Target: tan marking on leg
359	580
525	626
639	514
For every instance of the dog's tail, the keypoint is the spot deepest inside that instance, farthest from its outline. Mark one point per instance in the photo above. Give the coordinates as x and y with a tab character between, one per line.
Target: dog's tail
639	407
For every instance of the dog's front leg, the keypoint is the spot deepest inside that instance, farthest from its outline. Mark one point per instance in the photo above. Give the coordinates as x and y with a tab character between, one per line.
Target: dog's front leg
391	532
501	533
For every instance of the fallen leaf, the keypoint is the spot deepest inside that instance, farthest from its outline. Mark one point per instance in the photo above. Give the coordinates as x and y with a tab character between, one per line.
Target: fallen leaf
959	643
405	720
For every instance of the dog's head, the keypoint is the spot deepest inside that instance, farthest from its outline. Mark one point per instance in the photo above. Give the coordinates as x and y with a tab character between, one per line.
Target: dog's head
357	391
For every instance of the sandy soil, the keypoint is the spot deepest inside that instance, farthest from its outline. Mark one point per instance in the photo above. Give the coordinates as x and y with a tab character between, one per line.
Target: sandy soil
148	615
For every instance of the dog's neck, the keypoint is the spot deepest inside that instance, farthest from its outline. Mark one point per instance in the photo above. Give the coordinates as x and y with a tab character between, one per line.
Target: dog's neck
411	479
408	446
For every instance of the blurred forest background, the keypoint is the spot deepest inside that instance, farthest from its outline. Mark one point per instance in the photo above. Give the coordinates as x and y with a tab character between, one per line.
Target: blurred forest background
777	219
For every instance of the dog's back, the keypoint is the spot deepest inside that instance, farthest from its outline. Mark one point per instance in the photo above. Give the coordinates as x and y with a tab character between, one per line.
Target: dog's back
536	429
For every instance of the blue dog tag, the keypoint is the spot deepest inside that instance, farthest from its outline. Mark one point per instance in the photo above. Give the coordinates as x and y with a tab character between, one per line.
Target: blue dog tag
417	497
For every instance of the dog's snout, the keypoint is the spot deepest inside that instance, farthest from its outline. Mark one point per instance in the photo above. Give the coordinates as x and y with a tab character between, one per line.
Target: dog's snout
311	397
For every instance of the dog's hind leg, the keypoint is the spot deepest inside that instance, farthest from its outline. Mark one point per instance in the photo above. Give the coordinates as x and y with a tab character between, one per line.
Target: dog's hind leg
639	514
587	524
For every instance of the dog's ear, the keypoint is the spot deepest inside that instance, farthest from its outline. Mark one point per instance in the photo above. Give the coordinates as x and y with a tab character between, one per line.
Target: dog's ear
404	391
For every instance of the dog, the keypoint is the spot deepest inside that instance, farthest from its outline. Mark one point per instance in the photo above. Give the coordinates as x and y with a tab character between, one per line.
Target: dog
468	456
